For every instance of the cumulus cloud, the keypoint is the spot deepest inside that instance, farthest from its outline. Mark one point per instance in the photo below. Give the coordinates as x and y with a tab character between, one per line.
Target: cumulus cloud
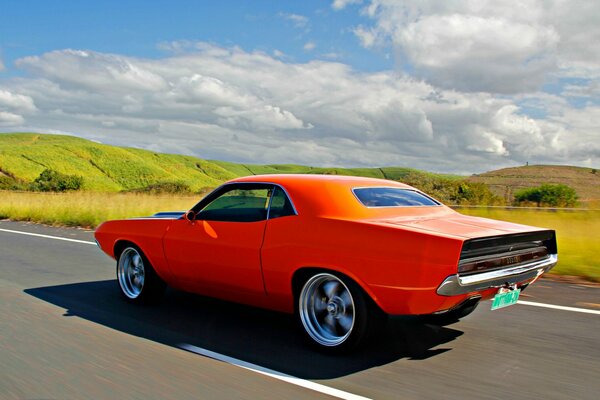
16	101
341	4
10	119
299	21
13	107
309	46
227	103
498	47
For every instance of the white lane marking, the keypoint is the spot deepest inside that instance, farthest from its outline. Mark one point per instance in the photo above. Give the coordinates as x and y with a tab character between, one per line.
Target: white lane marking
47	236
340	394
230	360
278	375
555	307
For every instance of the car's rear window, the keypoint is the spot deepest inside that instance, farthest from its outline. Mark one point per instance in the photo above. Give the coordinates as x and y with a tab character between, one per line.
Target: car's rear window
392	197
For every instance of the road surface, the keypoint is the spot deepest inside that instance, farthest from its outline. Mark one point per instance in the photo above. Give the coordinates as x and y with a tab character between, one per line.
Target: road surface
66	333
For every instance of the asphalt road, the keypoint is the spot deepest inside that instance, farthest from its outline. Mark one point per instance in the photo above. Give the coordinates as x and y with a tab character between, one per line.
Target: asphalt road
65	333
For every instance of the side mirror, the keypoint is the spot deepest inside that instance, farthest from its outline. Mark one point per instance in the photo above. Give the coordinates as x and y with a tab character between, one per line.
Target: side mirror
189	216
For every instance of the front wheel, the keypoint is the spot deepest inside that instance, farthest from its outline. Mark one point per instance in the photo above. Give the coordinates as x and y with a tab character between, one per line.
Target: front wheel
334	312
137	280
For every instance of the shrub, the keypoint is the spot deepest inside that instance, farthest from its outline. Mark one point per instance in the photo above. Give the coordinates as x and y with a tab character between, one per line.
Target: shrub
9	183
550	195
453	191
165	188
52	181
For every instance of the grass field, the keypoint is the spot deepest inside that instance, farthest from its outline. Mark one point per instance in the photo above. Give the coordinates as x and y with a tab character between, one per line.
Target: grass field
578	232
86	209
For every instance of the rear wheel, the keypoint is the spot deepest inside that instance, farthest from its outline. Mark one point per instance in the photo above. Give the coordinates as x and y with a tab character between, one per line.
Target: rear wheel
334	312
137	280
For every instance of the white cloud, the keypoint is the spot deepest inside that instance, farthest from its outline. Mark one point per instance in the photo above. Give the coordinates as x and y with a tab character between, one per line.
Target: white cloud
487	45
368	37
227	103
341	4
299	21
309	46
16	101
93	70
10	119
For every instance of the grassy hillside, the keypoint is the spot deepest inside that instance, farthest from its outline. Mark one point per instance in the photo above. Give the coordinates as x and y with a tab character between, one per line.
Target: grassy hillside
23	156
505	182
104	168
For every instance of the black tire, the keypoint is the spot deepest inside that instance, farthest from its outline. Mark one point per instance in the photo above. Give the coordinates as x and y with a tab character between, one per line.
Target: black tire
335	314
137	280
451	316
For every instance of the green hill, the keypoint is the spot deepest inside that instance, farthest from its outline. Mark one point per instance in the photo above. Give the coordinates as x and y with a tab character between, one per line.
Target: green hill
505	182
23	156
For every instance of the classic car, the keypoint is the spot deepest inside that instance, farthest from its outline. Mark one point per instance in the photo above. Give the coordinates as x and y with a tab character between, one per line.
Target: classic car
339	252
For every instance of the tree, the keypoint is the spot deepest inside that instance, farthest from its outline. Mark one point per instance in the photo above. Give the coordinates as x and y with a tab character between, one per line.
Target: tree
551	195
53	181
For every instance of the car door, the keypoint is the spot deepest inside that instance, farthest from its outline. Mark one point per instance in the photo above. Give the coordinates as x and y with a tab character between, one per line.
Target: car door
218	252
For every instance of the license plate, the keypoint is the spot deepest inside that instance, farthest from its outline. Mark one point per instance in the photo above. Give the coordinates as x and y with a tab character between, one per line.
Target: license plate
505	298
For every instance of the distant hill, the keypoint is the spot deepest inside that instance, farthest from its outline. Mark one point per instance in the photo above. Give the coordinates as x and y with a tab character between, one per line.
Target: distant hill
23	156
505	182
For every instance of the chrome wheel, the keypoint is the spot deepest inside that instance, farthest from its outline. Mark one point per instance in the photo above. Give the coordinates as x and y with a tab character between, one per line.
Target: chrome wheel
131	273
326	309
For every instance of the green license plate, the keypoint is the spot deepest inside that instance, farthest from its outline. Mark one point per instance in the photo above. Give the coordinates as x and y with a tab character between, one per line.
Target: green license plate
505	299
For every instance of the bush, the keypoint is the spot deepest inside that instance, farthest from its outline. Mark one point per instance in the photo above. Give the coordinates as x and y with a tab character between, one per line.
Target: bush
550	195
52	181
165	188
9	183
453	191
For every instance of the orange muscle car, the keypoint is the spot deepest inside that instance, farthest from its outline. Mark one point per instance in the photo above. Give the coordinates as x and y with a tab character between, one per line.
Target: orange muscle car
340	252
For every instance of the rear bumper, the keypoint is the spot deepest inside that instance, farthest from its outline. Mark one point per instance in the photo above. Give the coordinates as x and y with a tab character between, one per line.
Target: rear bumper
457	285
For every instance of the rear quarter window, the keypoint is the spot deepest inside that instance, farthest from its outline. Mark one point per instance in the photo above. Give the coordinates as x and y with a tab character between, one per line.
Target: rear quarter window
392	197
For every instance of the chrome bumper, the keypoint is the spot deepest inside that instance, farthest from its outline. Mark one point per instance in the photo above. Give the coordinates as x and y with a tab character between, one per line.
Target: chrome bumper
455	284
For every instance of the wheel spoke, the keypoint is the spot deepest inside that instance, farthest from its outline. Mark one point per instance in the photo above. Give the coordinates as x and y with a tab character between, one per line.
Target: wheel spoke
329	324
330	288
320	304
345	296
136	261
345	321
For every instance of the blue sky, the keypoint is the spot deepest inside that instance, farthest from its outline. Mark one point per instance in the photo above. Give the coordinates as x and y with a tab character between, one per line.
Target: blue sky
137	28
463	86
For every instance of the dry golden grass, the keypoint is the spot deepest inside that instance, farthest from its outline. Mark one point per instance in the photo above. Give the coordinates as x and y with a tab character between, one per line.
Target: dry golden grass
87	209
578	232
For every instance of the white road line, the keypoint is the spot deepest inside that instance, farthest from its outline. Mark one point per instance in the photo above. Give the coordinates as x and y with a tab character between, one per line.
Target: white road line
340	394
47	236
555	307
230	360
279	375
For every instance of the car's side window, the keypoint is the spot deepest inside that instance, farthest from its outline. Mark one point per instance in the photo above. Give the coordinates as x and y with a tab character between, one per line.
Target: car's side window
281	205
238	205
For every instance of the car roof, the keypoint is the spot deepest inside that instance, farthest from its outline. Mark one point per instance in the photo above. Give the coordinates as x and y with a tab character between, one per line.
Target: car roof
327	195
329	180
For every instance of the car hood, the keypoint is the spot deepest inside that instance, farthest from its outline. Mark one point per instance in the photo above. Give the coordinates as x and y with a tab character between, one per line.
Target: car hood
458	225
